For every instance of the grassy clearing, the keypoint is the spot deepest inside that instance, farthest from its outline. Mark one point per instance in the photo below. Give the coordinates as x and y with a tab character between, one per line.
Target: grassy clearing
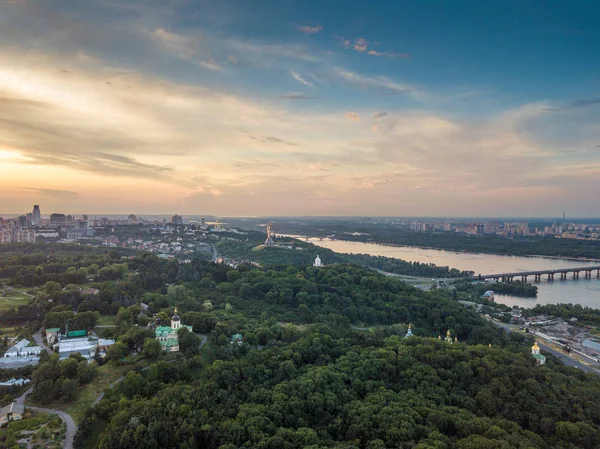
106	320
11	332
13	299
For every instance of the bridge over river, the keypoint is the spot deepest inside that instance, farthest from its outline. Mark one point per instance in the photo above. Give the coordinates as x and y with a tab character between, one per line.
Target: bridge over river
563	272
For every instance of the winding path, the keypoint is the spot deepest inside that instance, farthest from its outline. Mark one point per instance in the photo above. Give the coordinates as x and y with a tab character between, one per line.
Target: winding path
71	426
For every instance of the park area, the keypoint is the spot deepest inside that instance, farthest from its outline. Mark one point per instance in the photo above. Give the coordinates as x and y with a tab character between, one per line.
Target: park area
11	298
35	431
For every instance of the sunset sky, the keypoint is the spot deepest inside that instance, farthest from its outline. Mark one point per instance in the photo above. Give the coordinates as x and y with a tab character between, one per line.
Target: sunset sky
256	107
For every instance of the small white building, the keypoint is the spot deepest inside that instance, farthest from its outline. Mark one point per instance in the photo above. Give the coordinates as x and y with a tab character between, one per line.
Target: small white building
318	262
22	349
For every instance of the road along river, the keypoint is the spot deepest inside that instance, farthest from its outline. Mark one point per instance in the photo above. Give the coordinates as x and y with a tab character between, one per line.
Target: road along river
582	291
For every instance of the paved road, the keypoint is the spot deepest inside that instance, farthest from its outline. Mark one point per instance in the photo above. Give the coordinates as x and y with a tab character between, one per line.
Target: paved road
71	426
40	341
564	358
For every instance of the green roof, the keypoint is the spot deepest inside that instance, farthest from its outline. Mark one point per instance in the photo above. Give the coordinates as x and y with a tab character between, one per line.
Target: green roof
539	356
53	329
163	331
170	342
76	333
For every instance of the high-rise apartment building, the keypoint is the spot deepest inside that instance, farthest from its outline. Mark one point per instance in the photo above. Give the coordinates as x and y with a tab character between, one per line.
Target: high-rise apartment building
36	216
177	220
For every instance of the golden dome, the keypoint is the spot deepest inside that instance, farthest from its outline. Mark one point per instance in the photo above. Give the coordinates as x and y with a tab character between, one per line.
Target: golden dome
535	346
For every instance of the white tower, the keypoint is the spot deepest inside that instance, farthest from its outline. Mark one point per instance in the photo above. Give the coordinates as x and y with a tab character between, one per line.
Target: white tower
175	321
318	262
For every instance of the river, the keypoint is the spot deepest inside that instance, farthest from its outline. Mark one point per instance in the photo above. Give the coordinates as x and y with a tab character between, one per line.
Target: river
582	291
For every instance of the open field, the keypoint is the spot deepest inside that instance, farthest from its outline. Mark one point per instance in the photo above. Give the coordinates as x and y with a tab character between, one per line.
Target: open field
106	320
13	299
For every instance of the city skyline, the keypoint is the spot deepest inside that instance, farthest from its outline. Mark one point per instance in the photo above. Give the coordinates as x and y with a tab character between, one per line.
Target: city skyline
300	109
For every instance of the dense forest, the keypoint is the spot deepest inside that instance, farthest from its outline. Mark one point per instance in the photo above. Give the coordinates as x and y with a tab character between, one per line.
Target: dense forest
491	244
515	288
349	390
323	361
586	315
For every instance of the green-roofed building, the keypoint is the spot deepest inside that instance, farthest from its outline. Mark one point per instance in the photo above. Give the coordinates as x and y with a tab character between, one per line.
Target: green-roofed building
535	352
237	338
167	335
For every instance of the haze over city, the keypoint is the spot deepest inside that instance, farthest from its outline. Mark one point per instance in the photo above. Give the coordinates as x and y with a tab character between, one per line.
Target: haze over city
300	108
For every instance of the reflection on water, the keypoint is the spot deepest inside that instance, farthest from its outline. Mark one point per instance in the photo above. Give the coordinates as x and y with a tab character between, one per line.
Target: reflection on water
582	291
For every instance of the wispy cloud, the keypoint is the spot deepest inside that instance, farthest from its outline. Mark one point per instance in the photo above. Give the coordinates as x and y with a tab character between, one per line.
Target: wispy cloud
271	139
53	193
361	45
252	49
350	115
299	78
389	54
382	84
186	47
310	30
296	96
577	104
379	115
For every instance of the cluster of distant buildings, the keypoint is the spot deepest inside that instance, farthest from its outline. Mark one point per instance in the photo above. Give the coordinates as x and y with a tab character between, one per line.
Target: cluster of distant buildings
30	227
507	229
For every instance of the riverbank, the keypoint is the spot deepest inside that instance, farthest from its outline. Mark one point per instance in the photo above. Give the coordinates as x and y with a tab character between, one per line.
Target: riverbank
397	245
585	292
